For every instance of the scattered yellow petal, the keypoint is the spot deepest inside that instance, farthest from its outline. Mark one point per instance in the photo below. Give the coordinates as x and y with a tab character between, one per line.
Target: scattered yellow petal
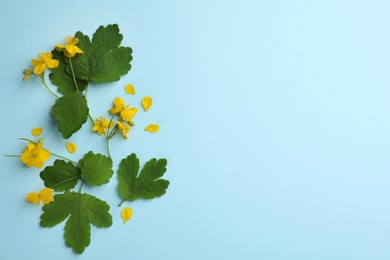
127	213
36	131
33	197
130	89
46	195
147	102
71	147
153	128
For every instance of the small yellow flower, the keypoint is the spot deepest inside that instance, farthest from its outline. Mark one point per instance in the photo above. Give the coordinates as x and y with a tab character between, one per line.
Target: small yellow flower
101	125
71	147
130	89
33	197
127	213
124	127
34	155
45	195
45	61
36	131
70	50
125	111
153	128
147	102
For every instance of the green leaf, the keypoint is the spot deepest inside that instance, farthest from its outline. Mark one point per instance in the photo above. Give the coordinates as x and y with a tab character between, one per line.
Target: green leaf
62	79
71	112
61	176
82	210
103	60
96	169
147	184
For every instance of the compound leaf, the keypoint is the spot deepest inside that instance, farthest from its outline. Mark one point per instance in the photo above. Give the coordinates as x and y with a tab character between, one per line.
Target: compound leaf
82	210
147	184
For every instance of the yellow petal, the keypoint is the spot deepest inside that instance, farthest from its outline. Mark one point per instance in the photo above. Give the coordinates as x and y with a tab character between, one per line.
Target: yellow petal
147	102
36	131
127	213
71	147
130	89
46	195
33	197
153	128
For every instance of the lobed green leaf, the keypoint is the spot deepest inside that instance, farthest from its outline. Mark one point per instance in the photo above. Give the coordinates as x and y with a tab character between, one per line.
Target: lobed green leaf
61	176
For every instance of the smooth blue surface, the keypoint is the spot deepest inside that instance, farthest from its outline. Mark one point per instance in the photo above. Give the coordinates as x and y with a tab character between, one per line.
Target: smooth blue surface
274	119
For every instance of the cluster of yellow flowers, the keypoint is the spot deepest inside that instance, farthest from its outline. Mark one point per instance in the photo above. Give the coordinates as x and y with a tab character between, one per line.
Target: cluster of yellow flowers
45	59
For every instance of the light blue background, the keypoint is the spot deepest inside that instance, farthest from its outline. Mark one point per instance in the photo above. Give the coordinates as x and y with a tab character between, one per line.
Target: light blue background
274	118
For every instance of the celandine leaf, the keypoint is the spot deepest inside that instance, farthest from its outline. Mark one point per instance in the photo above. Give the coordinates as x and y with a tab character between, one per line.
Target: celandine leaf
71	112
147	184
61	176
103	59
96	169
82	210
62	79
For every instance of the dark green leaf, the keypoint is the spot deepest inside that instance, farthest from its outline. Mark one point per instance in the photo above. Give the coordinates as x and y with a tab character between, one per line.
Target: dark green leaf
147	184
103	60
82	210
62	79
71	112
96	169
61	176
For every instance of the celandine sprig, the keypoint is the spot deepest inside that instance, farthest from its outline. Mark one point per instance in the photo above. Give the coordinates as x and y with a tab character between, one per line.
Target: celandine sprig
71	68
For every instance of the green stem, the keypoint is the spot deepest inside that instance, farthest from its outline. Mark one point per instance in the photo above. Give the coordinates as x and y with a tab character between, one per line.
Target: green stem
74	77
120	204
11	155
108	147
44	84
82	183
62	157
90	118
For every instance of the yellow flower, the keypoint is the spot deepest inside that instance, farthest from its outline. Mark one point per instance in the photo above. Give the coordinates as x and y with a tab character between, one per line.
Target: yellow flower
45	61
33	197
101	125
127	213
36	131
34	155
124	127
70	50
45	195
71	147
130	89
153	128
125	111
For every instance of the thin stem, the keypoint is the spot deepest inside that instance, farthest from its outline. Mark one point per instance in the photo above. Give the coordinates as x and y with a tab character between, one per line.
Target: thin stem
120	204
90	118
108	147
74	77
44	84
11	155
62	157
26	139
82	183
